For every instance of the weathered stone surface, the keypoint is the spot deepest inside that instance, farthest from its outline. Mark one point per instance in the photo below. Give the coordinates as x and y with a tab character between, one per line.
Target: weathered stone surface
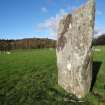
74	53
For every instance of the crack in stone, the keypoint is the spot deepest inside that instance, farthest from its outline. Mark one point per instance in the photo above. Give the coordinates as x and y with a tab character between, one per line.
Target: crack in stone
62	39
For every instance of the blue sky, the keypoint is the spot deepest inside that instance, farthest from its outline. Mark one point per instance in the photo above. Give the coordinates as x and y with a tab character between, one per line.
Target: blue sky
38	18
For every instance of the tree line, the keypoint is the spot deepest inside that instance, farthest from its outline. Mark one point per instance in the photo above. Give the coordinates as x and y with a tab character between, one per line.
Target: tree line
29	43
34	43
99	40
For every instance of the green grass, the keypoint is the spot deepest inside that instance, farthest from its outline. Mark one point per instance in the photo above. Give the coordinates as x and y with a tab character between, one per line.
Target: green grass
29	77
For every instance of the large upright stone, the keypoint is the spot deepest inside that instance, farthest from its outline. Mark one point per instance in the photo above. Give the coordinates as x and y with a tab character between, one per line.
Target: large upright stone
74	50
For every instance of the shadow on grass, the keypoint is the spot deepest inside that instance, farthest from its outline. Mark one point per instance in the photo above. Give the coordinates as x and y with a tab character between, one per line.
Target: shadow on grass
95	69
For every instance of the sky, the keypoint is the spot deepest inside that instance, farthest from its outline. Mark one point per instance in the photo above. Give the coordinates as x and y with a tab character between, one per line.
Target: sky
39	18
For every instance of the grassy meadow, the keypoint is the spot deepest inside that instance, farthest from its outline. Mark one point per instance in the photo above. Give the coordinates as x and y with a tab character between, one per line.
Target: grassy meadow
29	77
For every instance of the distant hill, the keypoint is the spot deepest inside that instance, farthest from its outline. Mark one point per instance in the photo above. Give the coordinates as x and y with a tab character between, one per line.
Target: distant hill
99	40
28	43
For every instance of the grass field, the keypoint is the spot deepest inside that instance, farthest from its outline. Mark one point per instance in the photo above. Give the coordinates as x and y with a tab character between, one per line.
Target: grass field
29	77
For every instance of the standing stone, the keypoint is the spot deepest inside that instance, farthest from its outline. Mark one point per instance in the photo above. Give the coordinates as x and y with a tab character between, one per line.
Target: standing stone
74	50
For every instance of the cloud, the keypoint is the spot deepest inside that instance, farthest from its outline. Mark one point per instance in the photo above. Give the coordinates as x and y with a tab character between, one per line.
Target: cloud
99	31
51	24
44	9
